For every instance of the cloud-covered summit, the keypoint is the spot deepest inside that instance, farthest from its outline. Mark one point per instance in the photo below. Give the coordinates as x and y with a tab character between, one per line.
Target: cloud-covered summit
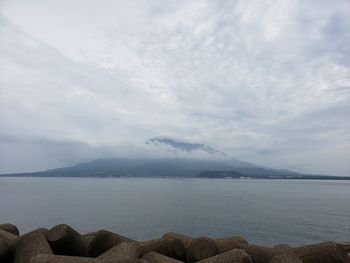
184	146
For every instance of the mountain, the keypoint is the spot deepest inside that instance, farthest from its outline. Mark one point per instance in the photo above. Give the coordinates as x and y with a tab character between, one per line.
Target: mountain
185	168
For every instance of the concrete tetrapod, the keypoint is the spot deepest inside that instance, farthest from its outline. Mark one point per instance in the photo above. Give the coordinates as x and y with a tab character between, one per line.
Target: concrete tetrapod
154	257
161	246
104	240
285	258
9	228
259	254
201	248
231	256
322	253
30	245
8	236
88	238
229	243
8	243
125	251
345	246
284	254
179	243
44	258
64	240
47	258
6	251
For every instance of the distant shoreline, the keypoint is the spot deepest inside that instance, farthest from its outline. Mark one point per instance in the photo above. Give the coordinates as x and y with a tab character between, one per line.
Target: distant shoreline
313	178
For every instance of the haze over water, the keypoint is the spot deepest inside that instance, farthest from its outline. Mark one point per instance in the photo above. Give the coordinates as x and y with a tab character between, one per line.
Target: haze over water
265	212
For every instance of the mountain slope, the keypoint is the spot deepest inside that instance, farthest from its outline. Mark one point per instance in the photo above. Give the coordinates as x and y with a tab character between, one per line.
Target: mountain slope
185	168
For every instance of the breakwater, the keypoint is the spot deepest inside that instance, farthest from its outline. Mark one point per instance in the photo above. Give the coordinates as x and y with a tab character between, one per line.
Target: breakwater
63	244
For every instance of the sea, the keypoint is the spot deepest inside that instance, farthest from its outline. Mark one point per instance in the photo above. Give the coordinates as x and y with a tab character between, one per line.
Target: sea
264	212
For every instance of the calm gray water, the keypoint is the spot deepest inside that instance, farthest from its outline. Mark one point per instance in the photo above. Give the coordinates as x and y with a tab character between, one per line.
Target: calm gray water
265	212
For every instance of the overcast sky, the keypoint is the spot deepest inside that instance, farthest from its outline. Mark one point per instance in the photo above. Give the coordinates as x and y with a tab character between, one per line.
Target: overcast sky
261	81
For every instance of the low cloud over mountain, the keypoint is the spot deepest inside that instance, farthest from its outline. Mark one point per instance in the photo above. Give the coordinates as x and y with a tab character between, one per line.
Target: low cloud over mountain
184	146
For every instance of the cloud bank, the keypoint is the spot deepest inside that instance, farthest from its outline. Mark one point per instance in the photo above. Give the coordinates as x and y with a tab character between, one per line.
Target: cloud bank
263	81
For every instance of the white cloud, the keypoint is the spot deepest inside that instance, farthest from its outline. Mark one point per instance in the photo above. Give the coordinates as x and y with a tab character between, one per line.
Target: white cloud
259	80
